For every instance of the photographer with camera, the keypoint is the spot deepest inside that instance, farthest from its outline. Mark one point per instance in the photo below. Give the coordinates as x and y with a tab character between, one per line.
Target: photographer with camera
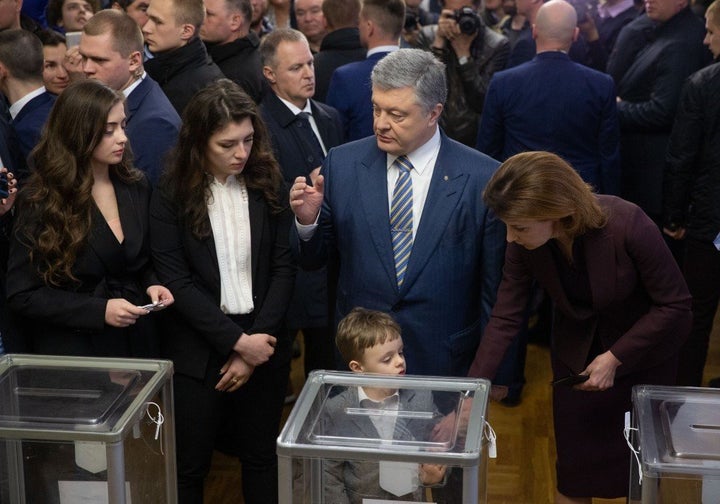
472	53
415	18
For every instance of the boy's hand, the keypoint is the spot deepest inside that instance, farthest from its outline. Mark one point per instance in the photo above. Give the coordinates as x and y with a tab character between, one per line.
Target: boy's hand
432	474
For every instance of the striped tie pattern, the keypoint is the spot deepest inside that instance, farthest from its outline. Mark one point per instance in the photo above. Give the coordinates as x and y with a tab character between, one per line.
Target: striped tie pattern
401	218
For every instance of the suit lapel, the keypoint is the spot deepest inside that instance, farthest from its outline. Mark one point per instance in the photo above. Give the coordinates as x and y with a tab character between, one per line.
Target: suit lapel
373	173
446	188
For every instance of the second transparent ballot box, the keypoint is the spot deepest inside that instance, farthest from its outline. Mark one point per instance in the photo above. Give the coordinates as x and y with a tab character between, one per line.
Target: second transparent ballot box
372	439
676	442
86	430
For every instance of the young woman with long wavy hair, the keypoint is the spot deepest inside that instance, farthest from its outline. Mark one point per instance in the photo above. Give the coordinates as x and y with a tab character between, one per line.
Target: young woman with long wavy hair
220	226
80	268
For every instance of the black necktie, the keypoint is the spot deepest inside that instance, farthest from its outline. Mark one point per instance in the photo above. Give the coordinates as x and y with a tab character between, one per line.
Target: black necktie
314	151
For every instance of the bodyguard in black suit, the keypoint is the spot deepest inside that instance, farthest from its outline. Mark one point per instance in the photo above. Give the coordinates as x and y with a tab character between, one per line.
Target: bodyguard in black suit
288	111
649	92
341	45
220	231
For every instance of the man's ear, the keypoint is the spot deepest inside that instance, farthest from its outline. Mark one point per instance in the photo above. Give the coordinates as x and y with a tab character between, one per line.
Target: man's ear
135	62
236	21
269	74
355	366
435	114
187	31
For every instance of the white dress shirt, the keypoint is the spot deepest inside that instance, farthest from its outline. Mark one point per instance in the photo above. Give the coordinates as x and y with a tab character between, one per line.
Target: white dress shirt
230	222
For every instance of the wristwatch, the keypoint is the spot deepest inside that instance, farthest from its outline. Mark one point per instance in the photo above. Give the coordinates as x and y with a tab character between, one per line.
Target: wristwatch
463	59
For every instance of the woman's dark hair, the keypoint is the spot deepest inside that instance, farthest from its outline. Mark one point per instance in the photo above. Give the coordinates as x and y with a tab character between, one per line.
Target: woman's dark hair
186	178
56	203
542	186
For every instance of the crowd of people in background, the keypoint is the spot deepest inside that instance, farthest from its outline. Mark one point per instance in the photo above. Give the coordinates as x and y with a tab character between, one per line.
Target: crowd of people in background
204	180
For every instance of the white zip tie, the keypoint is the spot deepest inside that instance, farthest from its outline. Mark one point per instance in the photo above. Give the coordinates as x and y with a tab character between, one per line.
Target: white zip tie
157	420
490	435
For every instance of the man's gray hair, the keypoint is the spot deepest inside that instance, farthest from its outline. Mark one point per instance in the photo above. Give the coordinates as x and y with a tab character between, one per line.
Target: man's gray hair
413	68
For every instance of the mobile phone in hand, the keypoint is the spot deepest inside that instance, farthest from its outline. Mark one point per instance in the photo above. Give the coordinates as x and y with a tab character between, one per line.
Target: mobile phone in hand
4	190
152	306
571	380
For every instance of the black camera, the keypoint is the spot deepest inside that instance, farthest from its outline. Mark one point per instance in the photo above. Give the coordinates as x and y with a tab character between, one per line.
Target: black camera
584	9
411	21
468	20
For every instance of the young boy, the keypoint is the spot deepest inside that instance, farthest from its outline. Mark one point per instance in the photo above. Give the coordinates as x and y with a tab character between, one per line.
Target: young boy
369	341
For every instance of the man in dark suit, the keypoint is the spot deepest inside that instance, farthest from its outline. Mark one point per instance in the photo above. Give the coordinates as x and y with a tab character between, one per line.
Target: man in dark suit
302	131
434	258
381	23
648	95
181	64
111	47
21	67
341	45
232	45
571	112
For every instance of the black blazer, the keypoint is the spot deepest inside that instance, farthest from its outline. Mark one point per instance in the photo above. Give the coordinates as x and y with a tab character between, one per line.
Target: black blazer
197	335
294	155
70	320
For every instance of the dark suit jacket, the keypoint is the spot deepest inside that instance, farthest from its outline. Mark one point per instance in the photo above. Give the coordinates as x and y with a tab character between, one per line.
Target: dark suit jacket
295	157
29	122
337	48
152	127
456	258
640	303
650	91
309	305
183	72
70	320
573	114
239	60
350	92
198	336
351	481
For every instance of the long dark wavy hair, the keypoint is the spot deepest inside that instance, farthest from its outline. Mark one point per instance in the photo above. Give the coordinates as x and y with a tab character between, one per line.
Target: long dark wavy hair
186	178
55	207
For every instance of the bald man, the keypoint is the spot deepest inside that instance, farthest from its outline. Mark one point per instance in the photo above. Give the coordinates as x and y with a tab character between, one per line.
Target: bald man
569	109
554	104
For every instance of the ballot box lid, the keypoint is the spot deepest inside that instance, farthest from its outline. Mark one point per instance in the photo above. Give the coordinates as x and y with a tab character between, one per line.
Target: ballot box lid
678	429
372	416
75	398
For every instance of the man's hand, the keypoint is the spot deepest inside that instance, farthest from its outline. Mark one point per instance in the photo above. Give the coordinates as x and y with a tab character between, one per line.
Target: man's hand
677	233
449	31
73	64
306	200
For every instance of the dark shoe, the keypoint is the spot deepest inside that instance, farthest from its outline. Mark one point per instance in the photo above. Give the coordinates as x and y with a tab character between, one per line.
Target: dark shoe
714	382
512	399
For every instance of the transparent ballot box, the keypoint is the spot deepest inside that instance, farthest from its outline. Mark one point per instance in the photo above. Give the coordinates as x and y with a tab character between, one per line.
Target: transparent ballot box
371	439
675	435
86	430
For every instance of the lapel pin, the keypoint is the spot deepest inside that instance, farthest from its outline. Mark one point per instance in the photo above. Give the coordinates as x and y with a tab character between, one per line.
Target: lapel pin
445	178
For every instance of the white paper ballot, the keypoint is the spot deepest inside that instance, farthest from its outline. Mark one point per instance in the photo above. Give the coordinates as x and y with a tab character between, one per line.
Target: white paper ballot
399	478
91	456
87	492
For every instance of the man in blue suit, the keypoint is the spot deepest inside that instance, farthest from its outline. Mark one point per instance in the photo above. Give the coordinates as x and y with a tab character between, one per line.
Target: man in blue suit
21	67
381	23
433	259
111	47
554	104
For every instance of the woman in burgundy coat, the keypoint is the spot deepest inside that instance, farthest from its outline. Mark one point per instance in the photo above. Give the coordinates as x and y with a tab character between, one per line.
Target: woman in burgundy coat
621	310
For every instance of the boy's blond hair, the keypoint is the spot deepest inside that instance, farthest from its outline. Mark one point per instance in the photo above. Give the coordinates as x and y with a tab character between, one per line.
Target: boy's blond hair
362	329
